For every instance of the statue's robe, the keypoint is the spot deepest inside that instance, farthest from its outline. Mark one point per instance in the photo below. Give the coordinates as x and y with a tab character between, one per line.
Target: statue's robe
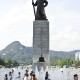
40	13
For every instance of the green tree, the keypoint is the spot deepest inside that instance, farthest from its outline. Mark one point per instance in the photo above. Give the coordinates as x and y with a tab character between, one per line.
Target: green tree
62	62
15	63
2	62
9	63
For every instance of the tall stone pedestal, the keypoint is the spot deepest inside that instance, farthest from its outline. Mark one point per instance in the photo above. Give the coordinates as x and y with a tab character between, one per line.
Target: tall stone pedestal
41	42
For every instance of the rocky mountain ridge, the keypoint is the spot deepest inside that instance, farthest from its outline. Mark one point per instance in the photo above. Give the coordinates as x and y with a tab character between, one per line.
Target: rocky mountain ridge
22	54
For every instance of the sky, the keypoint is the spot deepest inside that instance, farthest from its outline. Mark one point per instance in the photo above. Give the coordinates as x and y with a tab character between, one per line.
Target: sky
16	23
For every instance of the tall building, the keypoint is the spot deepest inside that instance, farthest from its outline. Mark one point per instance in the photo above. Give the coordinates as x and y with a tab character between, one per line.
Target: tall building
77	56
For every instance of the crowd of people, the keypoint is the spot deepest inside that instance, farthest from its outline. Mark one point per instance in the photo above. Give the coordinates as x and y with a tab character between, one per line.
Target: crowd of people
29	75
26	76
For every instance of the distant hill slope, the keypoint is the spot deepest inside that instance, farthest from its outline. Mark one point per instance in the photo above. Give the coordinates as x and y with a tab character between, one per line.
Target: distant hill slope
22	54
17	51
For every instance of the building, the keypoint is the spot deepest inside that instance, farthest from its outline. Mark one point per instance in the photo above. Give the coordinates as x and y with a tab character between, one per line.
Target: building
77	56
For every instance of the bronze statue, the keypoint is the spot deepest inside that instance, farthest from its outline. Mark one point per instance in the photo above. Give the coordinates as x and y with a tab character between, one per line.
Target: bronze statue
40	12
41	59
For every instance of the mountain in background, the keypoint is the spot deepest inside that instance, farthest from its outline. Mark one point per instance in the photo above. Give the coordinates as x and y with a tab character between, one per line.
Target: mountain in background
22	54
17	51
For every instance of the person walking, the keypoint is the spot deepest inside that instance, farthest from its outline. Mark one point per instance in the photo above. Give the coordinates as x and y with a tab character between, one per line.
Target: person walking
6	77
75	77
26	77
47	76
34	77
10	75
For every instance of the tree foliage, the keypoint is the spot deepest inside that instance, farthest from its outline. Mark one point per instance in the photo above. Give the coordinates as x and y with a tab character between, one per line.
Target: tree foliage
2	62
67	62
9	63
